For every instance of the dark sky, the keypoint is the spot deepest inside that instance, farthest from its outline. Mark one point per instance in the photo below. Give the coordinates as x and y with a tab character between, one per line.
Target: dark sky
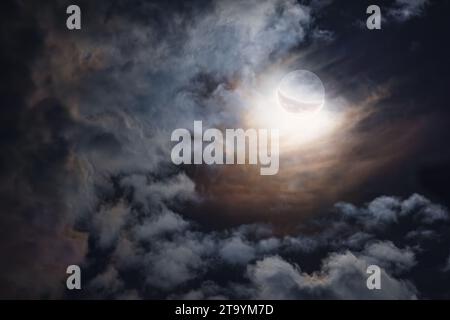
86	175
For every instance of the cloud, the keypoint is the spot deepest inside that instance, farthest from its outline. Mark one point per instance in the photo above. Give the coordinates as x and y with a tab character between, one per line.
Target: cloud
95	115
107	282
108	222
235	250
173	263
403	10
166	223
425	210
37	167
173	258
87	176
343	276
249	33
386	210
386	254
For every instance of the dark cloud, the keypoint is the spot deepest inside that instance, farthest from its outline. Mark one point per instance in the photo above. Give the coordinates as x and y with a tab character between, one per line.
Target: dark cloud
176	259
36	167
85	166
403	10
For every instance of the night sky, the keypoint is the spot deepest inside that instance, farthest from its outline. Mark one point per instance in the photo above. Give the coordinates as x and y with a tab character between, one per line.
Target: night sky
87	177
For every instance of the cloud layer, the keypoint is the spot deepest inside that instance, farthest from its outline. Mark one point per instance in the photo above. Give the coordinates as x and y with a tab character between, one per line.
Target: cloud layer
174	258
87	178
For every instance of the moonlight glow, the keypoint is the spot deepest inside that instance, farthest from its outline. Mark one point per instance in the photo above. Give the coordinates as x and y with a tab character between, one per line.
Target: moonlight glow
301	91
294	104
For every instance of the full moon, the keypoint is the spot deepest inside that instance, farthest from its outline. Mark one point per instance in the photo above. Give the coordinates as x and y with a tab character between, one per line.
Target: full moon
301	92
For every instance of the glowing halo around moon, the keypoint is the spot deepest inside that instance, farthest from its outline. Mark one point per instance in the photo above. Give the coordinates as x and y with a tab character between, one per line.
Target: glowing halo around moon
301	92
294	103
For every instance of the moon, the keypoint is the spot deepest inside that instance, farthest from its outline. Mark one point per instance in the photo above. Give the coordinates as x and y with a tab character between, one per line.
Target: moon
301	92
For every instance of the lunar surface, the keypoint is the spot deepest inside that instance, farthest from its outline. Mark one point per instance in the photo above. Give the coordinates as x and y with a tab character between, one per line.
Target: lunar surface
301	91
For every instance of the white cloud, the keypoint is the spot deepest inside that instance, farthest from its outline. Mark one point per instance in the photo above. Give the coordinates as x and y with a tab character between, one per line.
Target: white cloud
343	276
165	223
387	210
235	250
387	255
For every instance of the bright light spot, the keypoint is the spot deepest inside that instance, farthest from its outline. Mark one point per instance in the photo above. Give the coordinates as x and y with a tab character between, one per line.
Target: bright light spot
301	91
296	129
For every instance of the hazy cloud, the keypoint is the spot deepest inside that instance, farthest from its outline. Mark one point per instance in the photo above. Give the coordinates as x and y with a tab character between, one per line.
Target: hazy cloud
403	10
